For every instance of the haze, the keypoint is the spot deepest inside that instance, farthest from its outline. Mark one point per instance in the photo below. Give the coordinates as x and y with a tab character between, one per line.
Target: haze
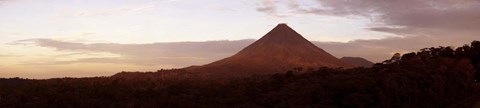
80	38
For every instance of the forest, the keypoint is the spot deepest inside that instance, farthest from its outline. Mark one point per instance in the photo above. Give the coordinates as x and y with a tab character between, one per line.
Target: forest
435	77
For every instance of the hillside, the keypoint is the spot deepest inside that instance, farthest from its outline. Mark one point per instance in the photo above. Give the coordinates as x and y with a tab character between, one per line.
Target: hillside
357	61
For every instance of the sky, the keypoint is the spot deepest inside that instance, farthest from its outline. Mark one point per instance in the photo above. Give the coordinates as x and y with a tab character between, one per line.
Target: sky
84	38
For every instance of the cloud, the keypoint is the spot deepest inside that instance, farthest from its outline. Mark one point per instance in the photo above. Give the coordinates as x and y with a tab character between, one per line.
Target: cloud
271	8
175	54
6	2
2	2
115	11
431	14
96	12
180	54
293	4
8	55
267	6
449	15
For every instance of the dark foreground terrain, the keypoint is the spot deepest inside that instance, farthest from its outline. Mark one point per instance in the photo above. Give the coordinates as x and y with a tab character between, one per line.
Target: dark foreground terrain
431	78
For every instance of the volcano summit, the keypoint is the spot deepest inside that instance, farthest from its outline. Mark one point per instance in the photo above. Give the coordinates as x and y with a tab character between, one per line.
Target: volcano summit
280	50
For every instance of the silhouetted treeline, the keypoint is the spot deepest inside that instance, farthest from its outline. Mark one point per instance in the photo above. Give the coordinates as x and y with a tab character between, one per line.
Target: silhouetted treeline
430	78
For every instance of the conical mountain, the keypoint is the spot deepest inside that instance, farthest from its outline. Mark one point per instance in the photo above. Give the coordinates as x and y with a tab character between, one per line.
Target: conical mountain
280	50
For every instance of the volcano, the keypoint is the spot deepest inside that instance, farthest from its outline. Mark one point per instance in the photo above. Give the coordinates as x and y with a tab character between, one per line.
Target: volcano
279	51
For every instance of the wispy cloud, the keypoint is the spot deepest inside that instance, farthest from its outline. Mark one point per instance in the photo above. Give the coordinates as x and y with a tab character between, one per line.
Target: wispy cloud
272	8
105	11
267	6
114	11
431	14
3	2
452	15
181	54
9	55
174	53
4	55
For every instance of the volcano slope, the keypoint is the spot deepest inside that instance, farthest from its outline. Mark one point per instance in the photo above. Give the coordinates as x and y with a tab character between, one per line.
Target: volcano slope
280	50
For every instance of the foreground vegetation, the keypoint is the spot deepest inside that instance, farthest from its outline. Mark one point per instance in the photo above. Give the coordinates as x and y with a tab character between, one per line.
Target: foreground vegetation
432	77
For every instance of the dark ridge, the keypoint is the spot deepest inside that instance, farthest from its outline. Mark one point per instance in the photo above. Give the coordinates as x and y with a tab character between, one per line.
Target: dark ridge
357	61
